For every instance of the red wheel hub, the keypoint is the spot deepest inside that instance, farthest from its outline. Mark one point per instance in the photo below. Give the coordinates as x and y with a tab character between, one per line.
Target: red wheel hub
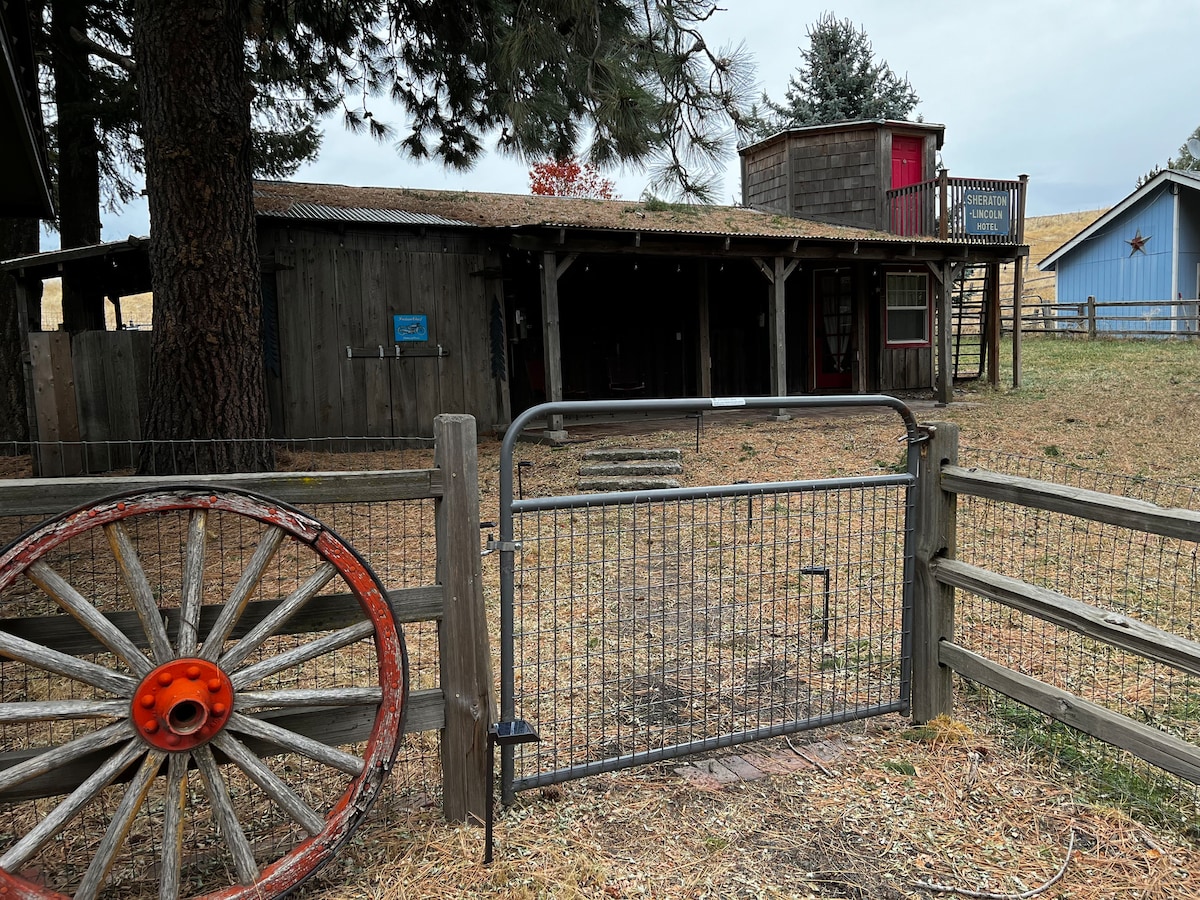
182	704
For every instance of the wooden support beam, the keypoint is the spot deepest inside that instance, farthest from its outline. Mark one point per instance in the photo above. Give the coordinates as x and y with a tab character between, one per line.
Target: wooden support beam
565	263
933	603
552	341
1018	291
992	322
945	368
777	330
703	335
464	652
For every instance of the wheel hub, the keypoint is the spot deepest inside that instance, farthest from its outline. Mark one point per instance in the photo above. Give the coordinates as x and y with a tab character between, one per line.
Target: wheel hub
182	704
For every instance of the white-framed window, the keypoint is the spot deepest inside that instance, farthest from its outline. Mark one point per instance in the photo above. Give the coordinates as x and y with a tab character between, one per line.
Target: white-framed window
907	299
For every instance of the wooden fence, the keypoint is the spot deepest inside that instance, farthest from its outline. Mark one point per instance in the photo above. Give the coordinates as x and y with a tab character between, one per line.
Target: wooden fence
938	574
462	707
1109	318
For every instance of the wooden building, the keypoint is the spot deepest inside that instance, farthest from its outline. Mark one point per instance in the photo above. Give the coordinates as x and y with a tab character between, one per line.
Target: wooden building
383	307
1143	254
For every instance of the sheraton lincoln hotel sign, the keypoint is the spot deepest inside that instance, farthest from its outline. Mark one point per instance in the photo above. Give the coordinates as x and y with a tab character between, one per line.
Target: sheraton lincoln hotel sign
987	212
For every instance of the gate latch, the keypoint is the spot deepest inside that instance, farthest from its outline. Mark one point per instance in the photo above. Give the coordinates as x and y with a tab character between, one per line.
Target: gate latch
502	546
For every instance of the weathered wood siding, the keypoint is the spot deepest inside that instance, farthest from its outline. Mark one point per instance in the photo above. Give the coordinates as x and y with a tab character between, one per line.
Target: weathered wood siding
905	368
838	177
336	295
765	178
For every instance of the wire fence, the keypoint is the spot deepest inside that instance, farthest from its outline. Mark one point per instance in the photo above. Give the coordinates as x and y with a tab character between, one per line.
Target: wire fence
648	630
397	539
1153	579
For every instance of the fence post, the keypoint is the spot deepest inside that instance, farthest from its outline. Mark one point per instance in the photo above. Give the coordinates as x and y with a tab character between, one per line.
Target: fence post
464	651
1091	317
933	604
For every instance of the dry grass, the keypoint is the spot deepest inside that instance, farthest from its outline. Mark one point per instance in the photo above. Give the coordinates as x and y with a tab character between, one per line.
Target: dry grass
959	806
136	309
1044	235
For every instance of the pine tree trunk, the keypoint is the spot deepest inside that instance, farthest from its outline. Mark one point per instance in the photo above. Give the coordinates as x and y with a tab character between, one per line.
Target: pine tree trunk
78	161
207	380
18	237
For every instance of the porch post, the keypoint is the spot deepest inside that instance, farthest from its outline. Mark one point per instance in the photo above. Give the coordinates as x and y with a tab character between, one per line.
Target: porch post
552	342
703	337
945	379
993	324
1018	291
777	276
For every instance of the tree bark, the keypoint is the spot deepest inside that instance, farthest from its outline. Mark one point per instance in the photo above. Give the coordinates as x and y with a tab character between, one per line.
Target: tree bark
78	161
18	237
207	381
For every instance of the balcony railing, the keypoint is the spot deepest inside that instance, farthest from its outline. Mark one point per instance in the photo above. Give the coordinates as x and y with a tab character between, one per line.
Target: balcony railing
970	210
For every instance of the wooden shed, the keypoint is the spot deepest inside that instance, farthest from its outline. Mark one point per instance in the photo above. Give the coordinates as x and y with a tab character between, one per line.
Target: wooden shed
385	306
1141	259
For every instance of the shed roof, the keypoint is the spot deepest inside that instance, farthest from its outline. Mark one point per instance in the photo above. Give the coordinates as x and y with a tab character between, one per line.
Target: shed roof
1186	179
856	125
333	202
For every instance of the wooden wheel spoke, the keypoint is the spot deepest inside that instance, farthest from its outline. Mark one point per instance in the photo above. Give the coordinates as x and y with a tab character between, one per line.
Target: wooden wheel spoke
51	759
139	588
118	828
280	614
302	654
193	583
232	610
355	696
23	850
45	710
176	801
227	820
301	743
57	588
60	663
273	786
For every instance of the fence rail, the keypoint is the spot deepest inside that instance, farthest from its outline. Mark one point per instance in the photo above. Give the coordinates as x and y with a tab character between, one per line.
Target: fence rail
1094	318
1122	619
418	529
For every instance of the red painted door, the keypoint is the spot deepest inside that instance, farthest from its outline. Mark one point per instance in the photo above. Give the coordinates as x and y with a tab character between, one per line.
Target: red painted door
906	170
832	331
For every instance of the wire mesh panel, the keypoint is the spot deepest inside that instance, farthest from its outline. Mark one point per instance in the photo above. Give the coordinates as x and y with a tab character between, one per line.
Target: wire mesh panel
646	626
1129	573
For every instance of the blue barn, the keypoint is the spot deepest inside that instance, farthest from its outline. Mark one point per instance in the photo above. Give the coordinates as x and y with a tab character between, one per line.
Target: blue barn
1143	253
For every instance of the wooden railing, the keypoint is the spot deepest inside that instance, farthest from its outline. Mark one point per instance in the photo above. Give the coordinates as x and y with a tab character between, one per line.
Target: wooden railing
938	574
971	210
1109	318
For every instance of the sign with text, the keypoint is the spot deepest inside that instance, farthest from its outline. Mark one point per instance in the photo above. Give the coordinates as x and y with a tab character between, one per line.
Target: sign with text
411	328
987	212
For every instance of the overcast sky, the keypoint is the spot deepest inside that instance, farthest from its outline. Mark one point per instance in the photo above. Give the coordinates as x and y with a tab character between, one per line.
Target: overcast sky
1082	95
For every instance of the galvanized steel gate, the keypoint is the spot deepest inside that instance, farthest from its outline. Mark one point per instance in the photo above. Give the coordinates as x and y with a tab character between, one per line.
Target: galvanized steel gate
646	625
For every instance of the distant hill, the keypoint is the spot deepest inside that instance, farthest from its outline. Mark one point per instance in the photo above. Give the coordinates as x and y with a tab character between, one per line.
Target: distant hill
1044	235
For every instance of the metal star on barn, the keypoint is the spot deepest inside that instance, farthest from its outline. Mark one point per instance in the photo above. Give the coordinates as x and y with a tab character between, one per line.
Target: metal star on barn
1137	243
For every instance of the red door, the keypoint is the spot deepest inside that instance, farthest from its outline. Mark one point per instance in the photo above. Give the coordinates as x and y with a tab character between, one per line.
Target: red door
906	170
832	331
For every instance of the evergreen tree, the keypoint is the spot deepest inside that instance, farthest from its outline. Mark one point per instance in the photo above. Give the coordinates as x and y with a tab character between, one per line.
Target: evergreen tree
618	80
839	80
1186	160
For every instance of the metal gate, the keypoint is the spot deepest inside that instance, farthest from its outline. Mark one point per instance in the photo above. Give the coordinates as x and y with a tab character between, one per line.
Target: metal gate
642	626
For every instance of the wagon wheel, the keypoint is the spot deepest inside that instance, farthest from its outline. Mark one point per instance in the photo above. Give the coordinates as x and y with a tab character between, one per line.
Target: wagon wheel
224	748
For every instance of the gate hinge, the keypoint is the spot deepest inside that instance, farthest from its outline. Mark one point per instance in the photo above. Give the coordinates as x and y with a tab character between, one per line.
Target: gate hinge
503	546
924	433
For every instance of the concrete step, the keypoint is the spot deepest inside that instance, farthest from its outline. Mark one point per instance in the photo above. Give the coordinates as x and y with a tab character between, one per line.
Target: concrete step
632	468
630	454
626	484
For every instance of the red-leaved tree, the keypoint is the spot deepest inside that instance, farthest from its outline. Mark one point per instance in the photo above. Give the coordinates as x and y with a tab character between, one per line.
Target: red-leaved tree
569	178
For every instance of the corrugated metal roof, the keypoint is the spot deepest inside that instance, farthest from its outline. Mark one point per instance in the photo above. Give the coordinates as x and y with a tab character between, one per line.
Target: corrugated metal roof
359	215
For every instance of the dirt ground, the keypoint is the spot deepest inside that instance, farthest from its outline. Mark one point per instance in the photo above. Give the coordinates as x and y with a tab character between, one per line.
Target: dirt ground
873	810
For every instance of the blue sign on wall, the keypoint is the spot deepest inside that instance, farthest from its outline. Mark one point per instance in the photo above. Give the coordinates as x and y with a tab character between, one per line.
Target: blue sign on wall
987	212
411	328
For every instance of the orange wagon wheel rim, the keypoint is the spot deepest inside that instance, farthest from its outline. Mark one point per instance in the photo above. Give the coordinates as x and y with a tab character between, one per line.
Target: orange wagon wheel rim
180	734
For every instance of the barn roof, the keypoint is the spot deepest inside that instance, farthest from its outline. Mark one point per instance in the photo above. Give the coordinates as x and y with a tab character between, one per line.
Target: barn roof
333	202
1186	179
